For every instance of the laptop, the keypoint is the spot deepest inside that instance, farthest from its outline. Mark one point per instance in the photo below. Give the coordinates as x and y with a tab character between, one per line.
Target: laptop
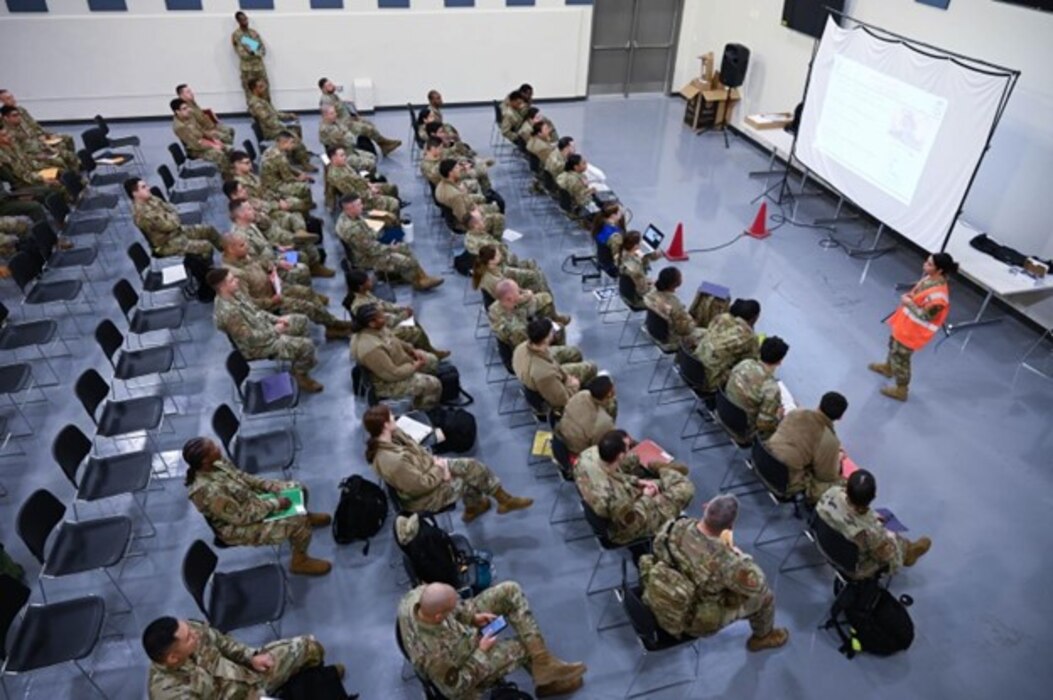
651	240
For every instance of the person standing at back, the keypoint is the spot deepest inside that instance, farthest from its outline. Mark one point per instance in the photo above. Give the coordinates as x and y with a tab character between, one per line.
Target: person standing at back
249	46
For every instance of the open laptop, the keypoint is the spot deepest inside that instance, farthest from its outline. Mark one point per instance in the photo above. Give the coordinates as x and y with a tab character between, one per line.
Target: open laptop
651	240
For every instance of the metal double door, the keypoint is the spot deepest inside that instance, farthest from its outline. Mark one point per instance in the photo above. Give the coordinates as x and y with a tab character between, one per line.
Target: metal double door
633	46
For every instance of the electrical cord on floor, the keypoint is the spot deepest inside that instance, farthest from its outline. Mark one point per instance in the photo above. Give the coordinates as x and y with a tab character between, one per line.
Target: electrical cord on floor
828	241
716	247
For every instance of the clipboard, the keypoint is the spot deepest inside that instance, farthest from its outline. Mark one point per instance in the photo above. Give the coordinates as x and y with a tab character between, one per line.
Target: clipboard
250	43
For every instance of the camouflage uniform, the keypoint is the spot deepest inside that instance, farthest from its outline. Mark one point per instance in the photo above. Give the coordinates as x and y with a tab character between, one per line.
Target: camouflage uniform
390	362
476	179
12	229
191	134
230	501
541	148
635	267
261	248
448	653
585	420
159	222
415	335
510	326
21	170
280	228
359	126
279	178
457	199
728	341
806	443
57	156
345	180
295	299
33	126
899	355
615	494
511	120
250	62
272	122
474	240
334	134
576	186
668	306
878	547
253	333
546	371
755	390
724	584
555	163
297	195
221	668
16	206
204	122
370	253
420	483
706	307
531	279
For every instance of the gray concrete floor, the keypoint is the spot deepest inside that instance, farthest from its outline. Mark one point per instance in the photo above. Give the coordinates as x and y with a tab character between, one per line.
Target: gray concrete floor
961	462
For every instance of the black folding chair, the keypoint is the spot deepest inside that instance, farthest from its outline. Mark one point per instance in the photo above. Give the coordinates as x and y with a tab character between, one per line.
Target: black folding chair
236	599
129	365
188	169
266	451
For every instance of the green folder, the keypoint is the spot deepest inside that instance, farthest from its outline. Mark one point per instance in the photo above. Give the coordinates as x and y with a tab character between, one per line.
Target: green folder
295	496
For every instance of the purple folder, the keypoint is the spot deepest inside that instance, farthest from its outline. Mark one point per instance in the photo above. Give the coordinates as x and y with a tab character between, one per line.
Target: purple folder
276	387
714	290
892	523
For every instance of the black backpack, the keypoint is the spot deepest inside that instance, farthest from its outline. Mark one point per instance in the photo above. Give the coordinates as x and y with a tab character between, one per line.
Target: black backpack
458	427
507	690
437	556
360	513
464	263
314	683
877	622
452	393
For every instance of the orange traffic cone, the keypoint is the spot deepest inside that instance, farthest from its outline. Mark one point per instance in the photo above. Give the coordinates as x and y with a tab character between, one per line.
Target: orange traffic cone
676	253
760	229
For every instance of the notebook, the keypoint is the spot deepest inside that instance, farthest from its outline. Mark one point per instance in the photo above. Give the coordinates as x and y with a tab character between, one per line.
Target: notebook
408	323
892	523
414	428
291	257
542	446
250	43
651	239
714	290
297	506
276	387
173	275
511	235
788	402
650	452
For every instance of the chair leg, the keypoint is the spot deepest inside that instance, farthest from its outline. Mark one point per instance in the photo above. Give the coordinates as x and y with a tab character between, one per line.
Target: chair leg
589	590
120	592
784	569
87	676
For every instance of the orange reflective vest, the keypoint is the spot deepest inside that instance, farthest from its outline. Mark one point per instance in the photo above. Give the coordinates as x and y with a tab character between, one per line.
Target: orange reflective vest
913	329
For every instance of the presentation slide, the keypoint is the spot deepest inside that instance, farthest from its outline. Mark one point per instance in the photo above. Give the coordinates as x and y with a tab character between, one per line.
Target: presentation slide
897	132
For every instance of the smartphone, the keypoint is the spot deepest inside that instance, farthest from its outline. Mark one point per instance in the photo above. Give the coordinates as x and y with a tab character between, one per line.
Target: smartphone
493	628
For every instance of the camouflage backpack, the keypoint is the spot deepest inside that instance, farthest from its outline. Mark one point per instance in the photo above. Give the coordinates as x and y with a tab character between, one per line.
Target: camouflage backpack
667	592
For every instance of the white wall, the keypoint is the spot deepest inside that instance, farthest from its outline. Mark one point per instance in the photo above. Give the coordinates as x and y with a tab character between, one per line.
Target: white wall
71	64
1010	197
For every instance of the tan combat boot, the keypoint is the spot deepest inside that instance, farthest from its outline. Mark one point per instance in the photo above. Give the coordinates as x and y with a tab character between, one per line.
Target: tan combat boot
559	687
563	319
675	466
319	519
441	354
773	640
322	299
546	669
506	502
473	512
881	368
425	282
305	565
388	145
916	550
897	392
306	237
307	383
338	330
320	270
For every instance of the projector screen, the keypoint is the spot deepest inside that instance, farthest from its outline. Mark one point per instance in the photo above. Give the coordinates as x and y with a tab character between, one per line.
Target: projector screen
896	131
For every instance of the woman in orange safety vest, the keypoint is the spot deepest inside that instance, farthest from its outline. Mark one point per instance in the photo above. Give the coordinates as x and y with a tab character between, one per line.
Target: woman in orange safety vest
919	316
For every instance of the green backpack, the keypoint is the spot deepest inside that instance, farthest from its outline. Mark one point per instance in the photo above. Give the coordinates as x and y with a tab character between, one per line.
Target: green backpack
667	592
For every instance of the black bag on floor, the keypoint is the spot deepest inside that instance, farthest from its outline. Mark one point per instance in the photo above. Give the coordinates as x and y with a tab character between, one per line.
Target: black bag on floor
452	393
197	267
464	263
315	683
877	622
440	557
507	690
361	512
458	427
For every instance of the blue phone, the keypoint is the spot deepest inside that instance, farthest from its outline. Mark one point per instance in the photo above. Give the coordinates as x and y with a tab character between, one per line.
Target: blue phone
292	257
494	627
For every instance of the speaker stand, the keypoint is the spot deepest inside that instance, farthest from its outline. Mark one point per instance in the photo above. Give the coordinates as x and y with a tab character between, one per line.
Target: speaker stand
723	125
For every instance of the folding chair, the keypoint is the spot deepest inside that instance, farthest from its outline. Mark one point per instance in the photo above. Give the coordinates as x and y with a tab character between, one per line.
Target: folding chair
236	599
267	451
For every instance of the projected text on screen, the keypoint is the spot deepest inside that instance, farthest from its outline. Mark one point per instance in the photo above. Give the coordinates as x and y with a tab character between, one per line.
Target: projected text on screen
880	128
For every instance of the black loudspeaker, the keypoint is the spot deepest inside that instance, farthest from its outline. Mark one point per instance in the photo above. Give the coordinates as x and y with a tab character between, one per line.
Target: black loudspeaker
733	66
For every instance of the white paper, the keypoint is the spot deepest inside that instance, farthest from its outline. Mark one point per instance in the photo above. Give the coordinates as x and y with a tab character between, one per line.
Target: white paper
556	328
173	274
415	429
325	158
600	187
788	402
511	235
594	174
408	323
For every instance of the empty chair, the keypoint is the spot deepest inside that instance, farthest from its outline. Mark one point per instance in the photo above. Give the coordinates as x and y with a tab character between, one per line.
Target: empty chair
46	635
83	201
235	599
151	280
96	478
130	141
26	267
251	391
89	169
14	336
263	452
76	547
188	169
117	419
15	379
70	224
195	192
132	364
140	320
98	145
55	258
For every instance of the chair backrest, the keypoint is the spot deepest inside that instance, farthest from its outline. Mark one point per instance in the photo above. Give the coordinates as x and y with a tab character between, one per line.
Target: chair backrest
71	181
640	616
69	449
732	416
605	260
13	597
87	163
91	389
198	566
563	456
166	177
774	474
109	339
25	266
238	369
250	150
258	132
536	401
100	122
140	258
598	524
412	116
497	112
534	162
36	519
44	237
178	156
57	207
4	313
126	296
488	300
505	351
94	139
692	371
565	202
156	191
839	551
657	326
226	425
